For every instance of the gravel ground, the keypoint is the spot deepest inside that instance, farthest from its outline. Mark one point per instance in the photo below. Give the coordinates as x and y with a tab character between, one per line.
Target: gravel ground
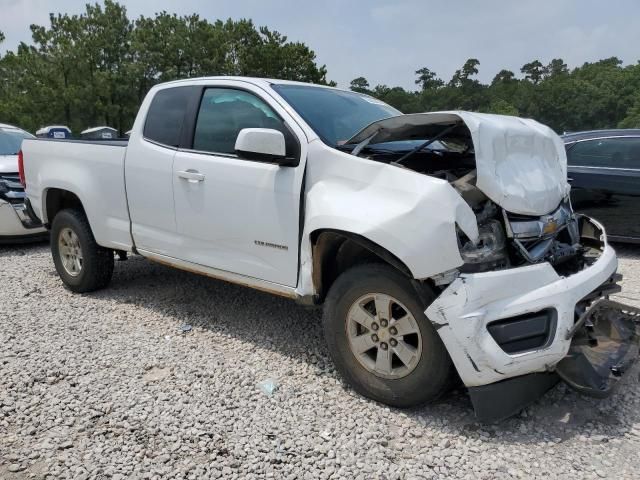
106	386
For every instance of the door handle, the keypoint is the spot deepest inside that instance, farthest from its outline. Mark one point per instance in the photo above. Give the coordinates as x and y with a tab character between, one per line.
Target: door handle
192	176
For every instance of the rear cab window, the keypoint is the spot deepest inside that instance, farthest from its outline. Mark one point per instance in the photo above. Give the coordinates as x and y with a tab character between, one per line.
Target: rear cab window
166	115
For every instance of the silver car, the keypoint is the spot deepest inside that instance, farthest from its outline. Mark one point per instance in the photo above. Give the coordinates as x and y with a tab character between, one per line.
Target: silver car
15	224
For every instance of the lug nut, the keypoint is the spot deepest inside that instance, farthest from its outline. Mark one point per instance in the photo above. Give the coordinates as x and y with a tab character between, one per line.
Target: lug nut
383	346
374	326
375	338
384	323
393	342
393	331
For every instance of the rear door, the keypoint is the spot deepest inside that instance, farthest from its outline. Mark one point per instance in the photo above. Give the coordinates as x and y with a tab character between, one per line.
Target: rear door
149	169
605	182
233	214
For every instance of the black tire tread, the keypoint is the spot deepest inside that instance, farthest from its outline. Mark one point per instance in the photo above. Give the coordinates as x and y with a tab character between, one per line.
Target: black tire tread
98	262
425	384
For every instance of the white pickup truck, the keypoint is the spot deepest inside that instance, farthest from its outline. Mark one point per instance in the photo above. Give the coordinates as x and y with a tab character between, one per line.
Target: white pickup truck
441	244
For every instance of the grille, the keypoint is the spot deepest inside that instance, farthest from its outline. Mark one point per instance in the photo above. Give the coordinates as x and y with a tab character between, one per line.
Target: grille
11	189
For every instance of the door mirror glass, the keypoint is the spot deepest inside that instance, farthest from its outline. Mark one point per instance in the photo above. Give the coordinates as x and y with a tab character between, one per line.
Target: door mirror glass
262	144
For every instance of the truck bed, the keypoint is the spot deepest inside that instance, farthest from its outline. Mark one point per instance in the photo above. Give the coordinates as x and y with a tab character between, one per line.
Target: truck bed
93	170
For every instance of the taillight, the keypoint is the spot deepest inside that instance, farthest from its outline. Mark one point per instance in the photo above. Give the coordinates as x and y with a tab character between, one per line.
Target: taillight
23	180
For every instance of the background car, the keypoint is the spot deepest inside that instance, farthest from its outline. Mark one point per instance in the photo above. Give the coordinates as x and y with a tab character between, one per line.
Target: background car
604	172
15	224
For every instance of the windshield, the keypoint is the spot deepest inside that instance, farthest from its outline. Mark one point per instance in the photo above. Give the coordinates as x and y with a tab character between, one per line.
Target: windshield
11	140
335	115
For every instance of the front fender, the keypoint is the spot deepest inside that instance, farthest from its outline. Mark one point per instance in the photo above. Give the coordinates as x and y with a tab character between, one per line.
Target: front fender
411	215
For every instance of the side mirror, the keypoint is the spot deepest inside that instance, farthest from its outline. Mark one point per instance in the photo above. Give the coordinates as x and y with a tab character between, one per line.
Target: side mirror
262	144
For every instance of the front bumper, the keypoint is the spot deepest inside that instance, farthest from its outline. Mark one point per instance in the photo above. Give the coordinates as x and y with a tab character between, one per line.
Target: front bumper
15	223
589	353
463	311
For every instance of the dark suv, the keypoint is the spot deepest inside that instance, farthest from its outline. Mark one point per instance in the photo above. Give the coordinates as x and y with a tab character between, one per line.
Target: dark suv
604	172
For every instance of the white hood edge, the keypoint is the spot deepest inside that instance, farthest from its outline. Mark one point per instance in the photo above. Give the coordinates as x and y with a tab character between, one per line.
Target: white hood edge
521	164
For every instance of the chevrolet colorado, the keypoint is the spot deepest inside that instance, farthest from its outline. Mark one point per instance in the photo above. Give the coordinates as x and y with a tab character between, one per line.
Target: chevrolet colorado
441	244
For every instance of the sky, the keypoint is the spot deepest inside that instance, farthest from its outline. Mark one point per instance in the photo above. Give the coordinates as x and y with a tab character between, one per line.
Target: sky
386	41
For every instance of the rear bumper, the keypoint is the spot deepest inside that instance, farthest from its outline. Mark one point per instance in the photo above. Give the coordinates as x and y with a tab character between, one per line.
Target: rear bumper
16	223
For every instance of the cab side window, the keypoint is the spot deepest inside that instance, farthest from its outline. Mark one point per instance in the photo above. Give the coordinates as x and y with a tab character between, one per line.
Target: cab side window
224	112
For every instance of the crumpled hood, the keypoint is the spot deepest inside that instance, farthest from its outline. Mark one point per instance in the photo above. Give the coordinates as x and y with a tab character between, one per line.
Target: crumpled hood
521	164
8	163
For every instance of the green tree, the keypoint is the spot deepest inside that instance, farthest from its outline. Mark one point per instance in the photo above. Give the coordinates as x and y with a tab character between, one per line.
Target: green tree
534	71
502	107
428	79
360	85
462	77
95	67
557	67
504	76
632	119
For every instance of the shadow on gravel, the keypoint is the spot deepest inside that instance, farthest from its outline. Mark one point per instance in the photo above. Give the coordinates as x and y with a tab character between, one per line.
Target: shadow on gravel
20	247
292	330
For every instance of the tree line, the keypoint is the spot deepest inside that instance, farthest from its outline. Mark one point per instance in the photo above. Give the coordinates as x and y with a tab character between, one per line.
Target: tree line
96	67
602	94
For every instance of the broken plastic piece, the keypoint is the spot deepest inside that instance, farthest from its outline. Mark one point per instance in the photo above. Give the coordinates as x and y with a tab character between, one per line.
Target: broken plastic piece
268	386
601	353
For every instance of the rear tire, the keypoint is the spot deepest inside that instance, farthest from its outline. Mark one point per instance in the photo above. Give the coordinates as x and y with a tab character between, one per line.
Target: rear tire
83	265
406	364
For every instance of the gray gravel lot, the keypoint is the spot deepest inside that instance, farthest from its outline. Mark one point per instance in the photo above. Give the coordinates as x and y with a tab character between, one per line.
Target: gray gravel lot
106	386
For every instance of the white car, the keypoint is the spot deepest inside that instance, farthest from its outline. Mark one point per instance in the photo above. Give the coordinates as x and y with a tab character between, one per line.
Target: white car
15	223
439	243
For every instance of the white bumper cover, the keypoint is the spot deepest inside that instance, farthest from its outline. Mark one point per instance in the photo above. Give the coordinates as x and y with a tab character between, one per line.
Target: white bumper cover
10	224
461	314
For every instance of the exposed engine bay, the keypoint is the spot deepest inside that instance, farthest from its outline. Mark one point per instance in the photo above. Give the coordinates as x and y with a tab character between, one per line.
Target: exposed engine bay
506	239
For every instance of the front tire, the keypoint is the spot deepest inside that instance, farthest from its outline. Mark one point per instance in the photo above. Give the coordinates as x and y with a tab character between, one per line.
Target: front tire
83	265
380	339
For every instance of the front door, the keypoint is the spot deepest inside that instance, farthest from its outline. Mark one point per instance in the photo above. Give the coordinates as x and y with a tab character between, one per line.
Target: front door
232	214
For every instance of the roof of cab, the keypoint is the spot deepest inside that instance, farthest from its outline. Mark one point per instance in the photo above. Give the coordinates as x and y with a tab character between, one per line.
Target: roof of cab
263	82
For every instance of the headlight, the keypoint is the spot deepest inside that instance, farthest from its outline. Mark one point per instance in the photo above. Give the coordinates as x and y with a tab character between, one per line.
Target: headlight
489	253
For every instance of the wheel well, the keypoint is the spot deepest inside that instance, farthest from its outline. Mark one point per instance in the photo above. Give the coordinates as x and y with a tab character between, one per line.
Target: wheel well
58	199
335	251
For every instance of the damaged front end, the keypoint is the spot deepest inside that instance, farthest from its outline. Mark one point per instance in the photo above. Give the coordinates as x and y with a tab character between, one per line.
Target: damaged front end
529	303
543	315
588	341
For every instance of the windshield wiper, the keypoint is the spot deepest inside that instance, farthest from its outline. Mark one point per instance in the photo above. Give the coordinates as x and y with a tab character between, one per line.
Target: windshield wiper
426	144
